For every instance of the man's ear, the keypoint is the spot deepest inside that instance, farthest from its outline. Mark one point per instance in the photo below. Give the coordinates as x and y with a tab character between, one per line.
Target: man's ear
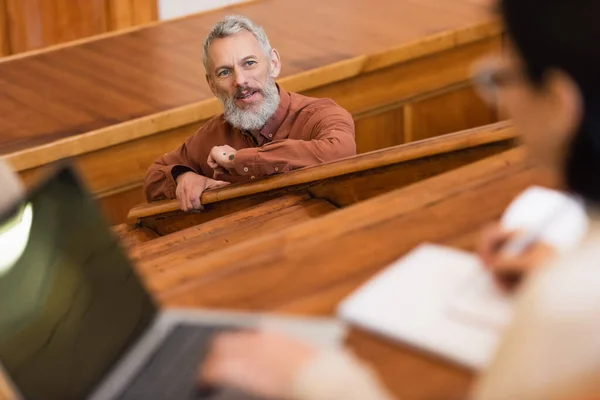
275	63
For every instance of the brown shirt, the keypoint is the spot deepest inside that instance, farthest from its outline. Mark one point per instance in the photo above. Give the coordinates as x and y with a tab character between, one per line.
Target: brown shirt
303	131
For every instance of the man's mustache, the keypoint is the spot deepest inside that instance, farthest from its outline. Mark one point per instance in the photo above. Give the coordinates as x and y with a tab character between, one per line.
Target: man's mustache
245	90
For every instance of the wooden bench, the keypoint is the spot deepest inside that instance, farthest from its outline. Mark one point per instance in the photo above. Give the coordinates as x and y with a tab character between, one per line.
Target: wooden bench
310	267
115	104
341	183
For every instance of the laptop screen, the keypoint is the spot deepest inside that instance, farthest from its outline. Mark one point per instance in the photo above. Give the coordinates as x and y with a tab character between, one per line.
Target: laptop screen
70	302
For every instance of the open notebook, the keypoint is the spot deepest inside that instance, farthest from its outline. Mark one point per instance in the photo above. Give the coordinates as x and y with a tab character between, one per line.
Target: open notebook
437	299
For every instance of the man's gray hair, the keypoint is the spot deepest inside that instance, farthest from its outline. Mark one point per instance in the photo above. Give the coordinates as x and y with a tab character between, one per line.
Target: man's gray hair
230	25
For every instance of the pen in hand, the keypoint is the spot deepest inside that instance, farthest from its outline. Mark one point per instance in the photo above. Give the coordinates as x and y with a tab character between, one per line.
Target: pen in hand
525	249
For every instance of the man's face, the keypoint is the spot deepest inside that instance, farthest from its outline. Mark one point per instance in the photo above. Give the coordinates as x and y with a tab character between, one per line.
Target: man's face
242	76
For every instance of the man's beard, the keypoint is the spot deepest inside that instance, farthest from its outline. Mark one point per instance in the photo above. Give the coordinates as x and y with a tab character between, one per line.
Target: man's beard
250	120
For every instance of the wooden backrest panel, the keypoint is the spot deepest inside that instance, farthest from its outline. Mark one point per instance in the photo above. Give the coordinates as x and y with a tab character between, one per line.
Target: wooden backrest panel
352	188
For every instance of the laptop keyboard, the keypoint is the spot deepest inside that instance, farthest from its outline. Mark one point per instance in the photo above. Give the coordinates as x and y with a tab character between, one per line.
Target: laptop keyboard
170	374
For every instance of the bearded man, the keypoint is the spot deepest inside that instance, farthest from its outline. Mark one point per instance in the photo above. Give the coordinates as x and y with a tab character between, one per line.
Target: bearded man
263	130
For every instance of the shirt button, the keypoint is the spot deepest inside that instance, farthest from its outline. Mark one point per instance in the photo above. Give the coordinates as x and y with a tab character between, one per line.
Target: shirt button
270	135
245	169
276	169
252	177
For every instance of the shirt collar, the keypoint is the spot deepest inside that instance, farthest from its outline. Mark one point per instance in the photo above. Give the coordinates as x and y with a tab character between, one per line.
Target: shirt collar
272	126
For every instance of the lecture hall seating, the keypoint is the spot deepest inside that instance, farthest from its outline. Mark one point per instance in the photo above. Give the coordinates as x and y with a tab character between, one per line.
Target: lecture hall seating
114	104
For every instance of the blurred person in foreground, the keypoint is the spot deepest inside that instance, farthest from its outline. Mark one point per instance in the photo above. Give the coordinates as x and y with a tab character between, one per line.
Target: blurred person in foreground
550	86
12	191
11	186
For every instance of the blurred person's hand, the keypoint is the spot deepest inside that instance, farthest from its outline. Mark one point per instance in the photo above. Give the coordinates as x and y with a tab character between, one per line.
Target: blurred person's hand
510	270
262	364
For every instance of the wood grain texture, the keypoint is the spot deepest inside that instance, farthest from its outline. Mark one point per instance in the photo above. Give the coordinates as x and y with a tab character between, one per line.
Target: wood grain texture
168	223
325	259
144	11
161	245
120	14
188	244
378	130
408	81
30	25
116	205
495	133
128	161
4	31
124	14
39	23
451	111
150	80
350	189
398	203
132	237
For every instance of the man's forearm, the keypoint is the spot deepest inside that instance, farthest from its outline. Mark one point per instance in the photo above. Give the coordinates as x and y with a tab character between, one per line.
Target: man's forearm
290	154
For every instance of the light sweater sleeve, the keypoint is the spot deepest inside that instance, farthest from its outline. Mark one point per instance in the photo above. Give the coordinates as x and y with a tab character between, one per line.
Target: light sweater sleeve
551	350
336	374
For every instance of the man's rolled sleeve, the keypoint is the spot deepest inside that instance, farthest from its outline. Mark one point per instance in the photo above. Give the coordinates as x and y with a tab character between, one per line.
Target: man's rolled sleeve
331	138
160	182
246	163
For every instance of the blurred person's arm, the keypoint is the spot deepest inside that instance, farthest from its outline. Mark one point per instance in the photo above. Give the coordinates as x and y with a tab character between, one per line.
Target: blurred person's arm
274	366
337	374
551	350
12	188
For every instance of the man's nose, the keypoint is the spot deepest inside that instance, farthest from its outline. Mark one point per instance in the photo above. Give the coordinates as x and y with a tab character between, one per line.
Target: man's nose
240	78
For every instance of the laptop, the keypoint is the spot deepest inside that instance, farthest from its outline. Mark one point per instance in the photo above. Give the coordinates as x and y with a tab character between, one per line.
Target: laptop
77	323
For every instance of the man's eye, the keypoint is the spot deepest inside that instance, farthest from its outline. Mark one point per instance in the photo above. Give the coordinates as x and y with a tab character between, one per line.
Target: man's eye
250	63
223	73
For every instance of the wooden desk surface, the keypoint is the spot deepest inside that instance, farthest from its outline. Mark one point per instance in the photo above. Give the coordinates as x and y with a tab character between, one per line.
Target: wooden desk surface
99	93
310	267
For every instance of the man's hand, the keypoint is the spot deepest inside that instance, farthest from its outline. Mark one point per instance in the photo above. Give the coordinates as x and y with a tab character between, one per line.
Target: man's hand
259	363
221	159
510	270
190	187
